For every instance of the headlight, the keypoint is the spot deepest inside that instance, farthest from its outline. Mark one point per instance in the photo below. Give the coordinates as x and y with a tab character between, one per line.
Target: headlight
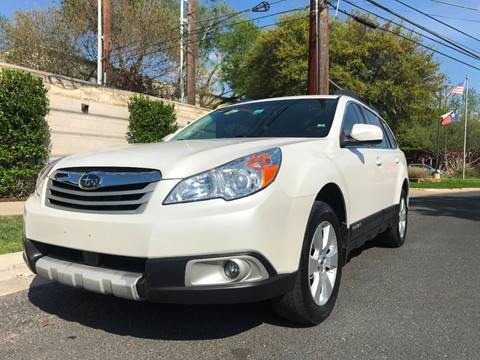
236	179
43	174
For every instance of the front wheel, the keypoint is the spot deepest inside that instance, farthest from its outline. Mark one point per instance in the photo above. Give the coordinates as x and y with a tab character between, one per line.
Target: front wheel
318	278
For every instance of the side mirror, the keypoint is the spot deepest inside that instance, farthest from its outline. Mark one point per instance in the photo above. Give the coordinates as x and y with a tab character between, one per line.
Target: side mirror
363	133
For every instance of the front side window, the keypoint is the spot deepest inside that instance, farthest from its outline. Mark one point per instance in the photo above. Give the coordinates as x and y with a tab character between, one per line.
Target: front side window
281	118
352	116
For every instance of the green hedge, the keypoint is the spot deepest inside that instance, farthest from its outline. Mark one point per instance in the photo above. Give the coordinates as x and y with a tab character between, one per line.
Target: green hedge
150	120
24	132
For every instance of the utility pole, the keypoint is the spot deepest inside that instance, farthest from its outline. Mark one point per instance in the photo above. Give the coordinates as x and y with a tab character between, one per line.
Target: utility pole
191	53
313	50
107	39
324	39
99	43
181	71
318	59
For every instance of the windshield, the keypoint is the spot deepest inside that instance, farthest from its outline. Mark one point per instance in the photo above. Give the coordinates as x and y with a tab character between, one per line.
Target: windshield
280	118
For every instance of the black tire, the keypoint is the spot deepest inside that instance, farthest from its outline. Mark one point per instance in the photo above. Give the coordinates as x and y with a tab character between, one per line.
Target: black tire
298	305
393	236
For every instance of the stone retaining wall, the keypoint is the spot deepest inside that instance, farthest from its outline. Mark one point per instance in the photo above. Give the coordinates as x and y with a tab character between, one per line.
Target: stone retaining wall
105	124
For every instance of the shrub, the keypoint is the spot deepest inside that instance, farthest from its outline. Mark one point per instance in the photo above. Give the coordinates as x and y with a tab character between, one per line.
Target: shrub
470	172
150	120
24	132
417	173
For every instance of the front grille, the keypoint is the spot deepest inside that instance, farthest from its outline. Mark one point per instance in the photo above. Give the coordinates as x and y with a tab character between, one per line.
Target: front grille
113	190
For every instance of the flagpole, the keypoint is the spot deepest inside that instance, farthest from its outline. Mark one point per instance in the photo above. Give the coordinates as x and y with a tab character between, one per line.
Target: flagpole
466	120
438	134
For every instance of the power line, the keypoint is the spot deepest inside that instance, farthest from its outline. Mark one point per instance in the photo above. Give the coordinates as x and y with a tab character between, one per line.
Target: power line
439	21
412	30
444	38
228	16
214	26
455	18
255	19
435	15
455	5
203	32
375	26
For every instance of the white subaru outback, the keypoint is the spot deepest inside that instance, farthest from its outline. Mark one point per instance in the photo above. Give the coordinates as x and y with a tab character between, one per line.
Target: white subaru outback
254	201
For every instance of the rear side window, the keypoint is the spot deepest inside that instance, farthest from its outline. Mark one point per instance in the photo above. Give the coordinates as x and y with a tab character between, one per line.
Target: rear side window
389	133
373	119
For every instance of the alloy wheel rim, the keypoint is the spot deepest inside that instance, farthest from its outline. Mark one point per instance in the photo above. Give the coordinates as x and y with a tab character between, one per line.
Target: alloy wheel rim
402	218
323	263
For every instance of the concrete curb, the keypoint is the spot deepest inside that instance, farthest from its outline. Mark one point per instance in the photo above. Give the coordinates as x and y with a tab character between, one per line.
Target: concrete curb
15	275
429	192
11	208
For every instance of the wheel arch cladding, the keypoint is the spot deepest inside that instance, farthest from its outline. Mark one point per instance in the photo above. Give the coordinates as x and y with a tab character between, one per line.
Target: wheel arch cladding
405	186
332	195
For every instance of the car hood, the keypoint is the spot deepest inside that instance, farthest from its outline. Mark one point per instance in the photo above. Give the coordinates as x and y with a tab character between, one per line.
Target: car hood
177	159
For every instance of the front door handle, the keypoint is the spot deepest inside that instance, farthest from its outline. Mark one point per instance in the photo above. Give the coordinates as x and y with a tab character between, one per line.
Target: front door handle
378	161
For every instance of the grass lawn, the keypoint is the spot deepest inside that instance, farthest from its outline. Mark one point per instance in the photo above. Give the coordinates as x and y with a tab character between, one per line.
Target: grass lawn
11	228
448	183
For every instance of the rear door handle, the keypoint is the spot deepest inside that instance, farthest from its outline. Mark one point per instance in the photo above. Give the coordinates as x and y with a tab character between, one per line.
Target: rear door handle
378	161
397	161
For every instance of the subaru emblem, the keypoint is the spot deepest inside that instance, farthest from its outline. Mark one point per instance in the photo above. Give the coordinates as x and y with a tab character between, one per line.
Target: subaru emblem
89	181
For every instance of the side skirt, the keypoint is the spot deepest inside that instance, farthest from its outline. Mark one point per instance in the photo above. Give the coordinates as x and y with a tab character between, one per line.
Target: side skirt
368	228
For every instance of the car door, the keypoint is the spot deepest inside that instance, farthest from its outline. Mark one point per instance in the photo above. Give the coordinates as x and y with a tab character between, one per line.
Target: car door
357	165
398	160
386	163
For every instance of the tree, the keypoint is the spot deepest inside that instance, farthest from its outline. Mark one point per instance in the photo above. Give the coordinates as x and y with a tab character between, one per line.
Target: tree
224	38
396	76
39	40
63	40
276	63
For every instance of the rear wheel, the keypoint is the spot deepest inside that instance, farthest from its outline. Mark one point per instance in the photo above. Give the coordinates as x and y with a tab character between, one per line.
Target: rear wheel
318	278
395	236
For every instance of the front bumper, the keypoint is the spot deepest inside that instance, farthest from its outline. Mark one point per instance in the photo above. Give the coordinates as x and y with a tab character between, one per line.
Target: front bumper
157	280
270	223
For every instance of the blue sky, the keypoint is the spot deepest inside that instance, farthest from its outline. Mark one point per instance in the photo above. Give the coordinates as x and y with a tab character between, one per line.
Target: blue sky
457	17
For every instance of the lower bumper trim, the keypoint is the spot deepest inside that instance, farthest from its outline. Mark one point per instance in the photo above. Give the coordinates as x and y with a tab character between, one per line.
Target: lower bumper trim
220	294
100	280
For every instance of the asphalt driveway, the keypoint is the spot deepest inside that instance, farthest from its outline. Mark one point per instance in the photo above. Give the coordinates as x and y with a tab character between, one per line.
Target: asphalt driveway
421	301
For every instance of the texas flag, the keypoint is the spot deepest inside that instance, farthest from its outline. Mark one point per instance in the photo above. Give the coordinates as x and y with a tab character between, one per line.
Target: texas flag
449	118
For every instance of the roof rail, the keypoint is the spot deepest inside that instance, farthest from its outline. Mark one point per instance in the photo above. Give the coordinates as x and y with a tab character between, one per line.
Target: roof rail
350	93
354	95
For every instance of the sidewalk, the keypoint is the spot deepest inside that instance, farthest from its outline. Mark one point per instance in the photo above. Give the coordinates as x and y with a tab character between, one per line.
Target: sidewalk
14	274
10	208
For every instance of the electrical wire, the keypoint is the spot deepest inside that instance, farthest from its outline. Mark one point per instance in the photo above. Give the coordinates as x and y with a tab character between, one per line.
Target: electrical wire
444	38
211	27
412	30
259	27
455	5
439	21
375	26
202	32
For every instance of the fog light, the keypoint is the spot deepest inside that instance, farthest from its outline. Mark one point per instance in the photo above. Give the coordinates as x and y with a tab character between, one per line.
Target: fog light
232	270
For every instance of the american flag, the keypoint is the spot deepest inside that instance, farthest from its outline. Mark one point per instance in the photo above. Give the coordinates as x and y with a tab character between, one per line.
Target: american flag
457	89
